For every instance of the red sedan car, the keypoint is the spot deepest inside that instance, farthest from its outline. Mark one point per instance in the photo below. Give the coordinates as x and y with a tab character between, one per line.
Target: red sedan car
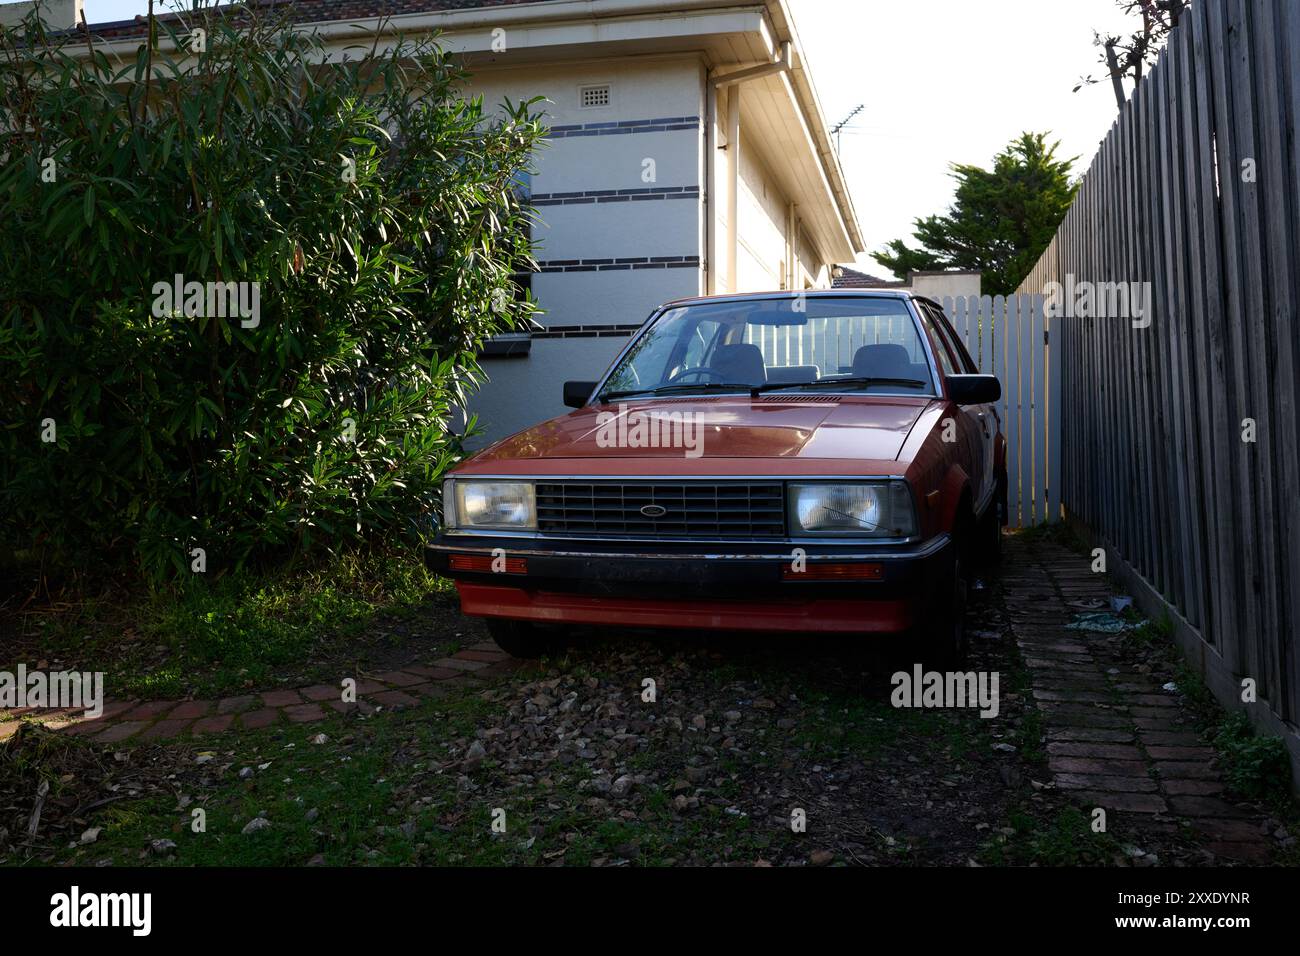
800	462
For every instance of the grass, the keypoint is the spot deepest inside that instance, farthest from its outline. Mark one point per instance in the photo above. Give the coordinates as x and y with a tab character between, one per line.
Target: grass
386	791
1063	839
381	792
350	788
1059	532
213	636
1028	736
389	789
834	722
859	725
1256	766
1149	635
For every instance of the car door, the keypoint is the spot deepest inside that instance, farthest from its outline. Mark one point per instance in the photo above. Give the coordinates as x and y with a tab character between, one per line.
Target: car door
980	420
987	415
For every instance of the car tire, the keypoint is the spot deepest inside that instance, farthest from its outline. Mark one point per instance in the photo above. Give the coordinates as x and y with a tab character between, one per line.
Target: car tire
945	641
524	640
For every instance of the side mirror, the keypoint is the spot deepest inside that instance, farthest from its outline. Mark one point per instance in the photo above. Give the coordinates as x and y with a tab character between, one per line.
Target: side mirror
973	389
577	393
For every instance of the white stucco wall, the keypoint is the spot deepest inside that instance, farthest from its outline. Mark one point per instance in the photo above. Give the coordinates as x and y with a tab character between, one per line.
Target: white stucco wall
55	14
953	284
532	388
814	270
584	231
761	211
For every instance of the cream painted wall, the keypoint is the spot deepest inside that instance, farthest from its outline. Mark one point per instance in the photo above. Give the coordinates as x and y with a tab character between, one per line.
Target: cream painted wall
530	390
581	240
55	14
762	212
581	237
952	283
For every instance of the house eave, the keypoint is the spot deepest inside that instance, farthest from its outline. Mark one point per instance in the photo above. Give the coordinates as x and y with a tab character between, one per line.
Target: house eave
727	33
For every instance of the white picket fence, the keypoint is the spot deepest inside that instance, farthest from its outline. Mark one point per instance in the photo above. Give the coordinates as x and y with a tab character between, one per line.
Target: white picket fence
1011	338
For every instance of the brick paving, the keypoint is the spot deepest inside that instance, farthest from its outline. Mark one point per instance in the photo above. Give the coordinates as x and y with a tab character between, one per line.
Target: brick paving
134	721
1115	739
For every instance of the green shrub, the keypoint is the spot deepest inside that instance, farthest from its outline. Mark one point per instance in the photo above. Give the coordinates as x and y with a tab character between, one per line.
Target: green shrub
367	205
1254	766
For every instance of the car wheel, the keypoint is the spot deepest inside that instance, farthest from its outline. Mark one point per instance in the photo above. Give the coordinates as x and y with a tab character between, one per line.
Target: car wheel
524	640
945	639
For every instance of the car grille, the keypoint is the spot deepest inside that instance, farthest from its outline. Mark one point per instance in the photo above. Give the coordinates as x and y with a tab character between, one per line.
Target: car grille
691	509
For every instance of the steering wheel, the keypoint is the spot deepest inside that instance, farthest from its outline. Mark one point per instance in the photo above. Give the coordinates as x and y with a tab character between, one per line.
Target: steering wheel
703	370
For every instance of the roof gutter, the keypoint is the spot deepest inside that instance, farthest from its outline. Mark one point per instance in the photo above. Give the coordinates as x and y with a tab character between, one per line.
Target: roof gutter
730	81
473	18
805	94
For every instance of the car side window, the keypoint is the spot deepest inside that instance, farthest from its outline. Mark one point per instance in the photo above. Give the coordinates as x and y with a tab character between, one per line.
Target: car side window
941	347
949	337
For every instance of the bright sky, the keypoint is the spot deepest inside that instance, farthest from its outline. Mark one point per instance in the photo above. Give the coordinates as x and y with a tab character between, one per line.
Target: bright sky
942	81
950	81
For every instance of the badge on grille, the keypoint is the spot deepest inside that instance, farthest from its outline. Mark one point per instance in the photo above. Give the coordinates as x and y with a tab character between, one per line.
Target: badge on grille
654	511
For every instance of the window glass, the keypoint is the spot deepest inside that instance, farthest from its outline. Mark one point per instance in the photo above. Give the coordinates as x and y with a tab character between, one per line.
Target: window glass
950	339
830	342
700	342
942	348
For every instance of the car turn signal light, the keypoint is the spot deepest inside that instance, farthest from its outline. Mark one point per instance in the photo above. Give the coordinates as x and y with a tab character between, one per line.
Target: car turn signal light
834	572
487	564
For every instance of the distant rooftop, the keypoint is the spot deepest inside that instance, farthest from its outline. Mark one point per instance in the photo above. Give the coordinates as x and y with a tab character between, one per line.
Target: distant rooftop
853	279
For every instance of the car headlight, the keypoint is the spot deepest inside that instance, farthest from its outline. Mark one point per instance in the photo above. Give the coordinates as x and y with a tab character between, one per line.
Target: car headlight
489	505
878	510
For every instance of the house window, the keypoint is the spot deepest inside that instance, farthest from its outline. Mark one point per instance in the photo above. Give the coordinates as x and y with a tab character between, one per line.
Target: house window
594	97
523	285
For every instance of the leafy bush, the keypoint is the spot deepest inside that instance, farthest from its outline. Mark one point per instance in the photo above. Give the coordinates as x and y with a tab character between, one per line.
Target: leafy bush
370	213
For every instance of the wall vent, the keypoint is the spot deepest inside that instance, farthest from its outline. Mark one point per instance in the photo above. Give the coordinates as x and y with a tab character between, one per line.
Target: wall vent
594	97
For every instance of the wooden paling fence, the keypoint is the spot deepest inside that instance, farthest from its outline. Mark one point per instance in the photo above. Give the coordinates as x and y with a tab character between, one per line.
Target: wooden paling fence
1181	426
1010	338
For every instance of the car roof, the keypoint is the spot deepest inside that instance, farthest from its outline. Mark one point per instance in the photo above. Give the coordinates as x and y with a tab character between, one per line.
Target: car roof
794	294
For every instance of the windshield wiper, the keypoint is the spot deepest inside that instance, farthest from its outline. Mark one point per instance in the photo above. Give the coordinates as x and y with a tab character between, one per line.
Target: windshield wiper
665	389
755	390
856	380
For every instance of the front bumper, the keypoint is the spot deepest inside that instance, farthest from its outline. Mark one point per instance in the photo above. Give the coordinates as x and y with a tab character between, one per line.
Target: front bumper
696	586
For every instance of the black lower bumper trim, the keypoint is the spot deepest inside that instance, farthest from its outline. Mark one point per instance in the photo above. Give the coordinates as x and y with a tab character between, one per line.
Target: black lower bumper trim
904	574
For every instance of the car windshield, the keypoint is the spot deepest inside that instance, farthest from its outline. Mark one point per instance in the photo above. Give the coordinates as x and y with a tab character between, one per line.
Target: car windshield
805	343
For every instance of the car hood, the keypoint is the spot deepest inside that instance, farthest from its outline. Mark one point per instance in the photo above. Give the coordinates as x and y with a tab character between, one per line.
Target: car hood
806	428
